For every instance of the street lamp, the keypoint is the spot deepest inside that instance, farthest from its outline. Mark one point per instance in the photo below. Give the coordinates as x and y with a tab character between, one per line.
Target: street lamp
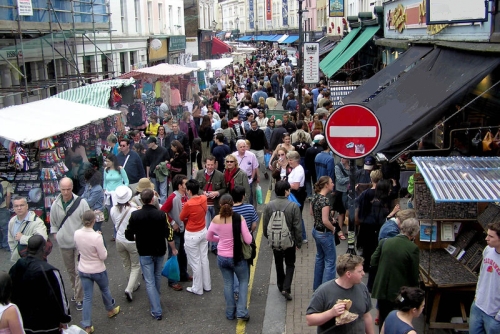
237	20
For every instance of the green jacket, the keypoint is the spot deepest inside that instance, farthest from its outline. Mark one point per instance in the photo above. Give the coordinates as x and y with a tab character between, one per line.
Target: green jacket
398	265
217	185
162	172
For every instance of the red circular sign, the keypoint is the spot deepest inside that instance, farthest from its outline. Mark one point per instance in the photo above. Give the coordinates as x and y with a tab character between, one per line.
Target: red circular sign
352	131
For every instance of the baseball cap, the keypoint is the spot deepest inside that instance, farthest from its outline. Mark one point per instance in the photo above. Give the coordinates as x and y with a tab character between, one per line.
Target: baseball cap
151	140
318	138
369	162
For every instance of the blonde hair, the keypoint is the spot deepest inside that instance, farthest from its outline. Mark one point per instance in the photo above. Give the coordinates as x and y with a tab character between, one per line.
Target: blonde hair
88	218
233	158
376	175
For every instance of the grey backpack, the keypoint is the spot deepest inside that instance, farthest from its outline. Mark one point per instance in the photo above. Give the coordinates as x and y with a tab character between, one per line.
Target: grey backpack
278	234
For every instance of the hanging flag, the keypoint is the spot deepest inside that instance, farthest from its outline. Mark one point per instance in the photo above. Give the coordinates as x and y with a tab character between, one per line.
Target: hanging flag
251	15
284	13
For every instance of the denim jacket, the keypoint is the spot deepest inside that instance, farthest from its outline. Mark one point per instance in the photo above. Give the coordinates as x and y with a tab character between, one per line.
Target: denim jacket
94	196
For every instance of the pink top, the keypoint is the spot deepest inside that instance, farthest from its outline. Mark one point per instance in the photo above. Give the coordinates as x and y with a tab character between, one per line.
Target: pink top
247	163
223	234
90	245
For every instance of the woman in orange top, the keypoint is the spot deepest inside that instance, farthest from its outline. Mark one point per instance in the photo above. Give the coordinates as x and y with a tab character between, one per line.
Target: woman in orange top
195	238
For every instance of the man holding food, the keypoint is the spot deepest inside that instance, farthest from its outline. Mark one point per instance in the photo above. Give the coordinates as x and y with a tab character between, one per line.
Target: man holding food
342	305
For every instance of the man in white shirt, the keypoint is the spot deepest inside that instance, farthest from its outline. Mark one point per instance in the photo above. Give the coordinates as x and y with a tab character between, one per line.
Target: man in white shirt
247	161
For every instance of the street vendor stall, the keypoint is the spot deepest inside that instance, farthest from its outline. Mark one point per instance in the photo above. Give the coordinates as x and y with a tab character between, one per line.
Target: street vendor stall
36	139
212	68
173	83
450	193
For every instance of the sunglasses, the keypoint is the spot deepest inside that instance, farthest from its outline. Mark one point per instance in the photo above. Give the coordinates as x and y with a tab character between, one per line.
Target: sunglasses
281	155
229	161
123	145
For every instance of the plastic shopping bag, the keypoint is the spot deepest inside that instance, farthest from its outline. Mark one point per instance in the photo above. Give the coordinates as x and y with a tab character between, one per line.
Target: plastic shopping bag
292	198
267	159
171	269
258	194
73	329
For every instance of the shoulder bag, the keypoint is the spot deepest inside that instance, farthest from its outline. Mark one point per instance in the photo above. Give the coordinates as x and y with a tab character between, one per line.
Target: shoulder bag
23	249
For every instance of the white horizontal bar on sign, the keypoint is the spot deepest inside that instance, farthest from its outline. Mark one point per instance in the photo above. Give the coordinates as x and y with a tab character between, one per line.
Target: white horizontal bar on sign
353	131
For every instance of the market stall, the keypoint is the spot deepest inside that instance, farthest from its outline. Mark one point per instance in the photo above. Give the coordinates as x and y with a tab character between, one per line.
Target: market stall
450	196
37	139
173	83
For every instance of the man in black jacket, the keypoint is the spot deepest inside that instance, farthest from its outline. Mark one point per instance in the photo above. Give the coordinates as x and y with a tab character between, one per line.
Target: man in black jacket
259	143
277	135
38	291
149	228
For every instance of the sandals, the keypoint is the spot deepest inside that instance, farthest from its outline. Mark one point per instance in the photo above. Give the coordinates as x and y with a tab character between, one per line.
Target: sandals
114	312
342	236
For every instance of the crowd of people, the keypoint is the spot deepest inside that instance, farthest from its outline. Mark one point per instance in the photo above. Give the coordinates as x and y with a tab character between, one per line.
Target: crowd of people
232	140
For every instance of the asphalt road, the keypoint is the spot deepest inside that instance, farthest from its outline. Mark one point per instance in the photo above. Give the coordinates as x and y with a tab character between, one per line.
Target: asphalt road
183	312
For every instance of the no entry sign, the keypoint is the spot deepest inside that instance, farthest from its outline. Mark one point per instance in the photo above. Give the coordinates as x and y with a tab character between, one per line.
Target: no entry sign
352	131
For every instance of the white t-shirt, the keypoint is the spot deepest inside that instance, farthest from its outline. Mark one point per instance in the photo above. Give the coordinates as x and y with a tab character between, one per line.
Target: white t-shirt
297	175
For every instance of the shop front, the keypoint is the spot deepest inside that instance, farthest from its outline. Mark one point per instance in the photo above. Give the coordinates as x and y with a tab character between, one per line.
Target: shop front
176	47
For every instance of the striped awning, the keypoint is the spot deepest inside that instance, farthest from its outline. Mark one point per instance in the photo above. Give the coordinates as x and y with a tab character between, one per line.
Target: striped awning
461	179
96	94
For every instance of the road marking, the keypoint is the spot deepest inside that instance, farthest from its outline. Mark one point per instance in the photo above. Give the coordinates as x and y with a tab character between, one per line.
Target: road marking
353	131
241	325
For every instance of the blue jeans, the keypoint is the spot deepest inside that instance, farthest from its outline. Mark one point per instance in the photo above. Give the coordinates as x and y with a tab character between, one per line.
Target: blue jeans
228	269
208	219
88	291
161	188
151	268
481	323
326	255
4	227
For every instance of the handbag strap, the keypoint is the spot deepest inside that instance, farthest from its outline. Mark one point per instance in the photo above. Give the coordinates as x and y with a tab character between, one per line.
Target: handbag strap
70	211
123	217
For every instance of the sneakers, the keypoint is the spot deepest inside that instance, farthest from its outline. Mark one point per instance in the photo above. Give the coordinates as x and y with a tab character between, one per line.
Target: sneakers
89	329
305	241
190	289
245	318
79	306
73	299
175	287
114	312
128	295
156	317
287	295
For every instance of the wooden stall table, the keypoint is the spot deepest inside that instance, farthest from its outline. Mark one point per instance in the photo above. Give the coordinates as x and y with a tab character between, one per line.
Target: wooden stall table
443	273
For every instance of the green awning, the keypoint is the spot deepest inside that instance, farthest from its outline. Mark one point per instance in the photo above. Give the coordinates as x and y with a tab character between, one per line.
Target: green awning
344	43
96	94
354	48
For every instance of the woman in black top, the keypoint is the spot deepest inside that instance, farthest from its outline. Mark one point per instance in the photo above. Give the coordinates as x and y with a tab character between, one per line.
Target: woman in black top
179	162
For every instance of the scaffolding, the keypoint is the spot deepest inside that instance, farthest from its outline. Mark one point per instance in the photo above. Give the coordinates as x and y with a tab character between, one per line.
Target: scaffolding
57	33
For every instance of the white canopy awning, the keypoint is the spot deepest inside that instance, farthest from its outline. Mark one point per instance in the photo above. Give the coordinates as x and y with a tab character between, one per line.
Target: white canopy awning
215	64
37	120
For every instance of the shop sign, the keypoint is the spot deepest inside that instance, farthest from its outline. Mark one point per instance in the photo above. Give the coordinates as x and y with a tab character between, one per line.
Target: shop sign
456	11
158	54
311	62
336	8
413	16
24	8
177	43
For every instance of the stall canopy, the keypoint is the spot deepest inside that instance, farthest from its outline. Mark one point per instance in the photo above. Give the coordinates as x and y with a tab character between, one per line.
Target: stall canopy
219	47
280	40
275	38
215	64
412	105
30	122
388	75
160	70
96	94
245	38
461	179
290	39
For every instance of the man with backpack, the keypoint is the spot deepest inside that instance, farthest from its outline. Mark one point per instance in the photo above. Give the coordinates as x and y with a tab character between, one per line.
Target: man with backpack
283	229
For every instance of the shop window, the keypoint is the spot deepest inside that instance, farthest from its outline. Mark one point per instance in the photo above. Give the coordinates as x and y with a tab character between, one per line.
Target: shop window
123	15
150	16
122	62
87	64
137	16
105	66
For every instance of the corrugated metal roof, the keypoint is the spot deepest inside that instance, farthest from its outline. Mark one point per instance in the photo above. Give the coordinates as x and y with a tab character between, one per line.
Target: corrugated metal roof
461	179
